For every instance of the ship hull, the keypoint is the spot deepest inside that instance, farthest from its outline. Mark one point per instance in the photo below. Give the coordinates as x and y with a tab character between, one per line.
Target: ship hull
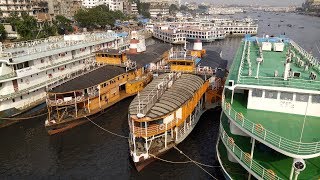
64	126
145	162
13	115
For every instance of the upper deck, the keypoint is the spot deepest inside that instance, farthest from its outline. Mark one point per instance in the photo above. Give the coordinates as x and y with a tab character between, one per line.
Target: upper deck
154	53
259	62
13	53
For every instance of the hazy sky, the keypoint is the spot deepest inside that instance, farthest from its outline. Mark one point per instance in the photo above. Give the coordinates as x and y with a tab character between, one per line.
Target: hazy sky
255	2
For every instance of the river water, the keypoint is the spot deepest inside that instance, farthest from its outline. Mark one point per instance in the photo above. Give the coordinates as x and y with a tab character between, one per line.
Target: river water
87	152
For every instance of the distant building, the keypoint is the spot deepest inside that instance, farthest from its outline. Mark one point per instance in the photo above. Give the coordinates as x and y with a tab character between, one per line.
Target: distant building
66	8
113	5
14	6
130	8
159	8
169	2
312	5
37	8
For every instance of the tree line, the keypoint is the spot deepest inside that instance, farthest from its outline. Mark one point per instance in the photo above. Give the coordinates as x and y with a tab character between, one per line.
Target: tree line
28	28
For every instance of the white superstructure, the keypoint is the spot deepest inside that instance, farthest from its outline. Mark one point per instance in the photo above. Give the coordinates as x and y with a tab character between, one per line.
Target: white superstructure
28	68
179	32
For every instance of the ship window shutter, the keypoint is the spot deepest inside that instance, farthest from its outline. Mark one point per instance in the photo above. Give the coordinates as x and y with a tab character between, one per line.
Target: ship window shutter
286	96
302	97
256	93
316	99
271	94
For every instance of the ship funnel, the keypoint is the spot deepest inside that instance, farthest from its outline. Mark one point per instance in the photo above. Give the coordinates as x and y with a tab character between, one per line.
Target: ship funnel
133	48
197	46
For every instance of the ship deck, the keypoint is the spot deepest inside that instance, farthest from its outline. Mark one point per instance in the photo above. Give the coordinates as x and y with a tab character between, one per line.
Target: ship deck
282	124
273	61
92	78
152	54
267	157
172	99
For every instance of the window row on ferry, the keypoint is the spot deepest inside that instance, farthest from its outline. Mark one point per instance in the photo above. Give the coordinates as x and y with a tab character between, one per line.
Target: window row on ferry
288	102
234	28
39	78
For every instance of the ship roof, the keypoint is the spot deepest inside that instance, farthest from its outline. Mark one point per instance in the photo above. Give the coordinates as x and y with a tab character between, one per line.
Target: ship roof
92	78
152	54
173	98
273	63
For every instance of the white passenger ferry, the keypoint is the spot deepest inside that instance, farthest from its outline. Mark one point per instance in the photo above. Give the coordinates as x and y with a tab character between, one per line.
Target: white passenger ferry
206	30
180	32
29	68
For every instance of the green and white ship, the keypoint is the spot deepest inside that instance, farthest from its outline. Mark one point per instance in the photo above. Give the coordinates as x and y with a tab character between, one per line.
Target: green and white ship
270	123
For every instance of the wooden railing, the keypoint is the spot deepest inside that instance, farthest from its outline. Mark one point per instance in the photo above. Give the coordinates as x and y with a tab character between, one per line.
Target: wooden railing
152	130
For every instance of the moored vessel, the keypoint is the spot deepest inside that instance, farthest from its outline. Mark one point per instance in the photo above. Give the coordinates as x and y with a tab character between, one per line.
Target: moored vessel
29	68
270	119
165	112
121	75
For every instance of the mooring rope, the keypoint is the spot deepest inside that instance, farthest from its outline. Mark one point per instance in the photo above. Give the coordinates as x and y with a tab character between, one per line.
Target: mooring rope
182	162
106	129
195	162
22	118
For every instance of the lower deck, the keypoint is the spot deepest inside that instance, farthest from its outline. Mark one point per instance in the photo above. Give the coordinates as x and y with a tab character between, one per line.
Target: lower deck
283	124
266	157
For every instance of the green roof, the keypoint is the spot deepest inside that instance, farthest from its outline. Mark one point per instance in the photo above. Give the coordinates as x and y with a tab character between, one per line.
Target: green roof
274	63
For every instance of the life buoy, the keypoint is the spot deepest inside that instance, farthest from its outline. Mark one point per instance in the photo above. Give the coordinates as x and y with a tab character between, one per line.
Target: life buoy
259	128
68	76
271	174
93	63
240	116
88	68
27	81
161	127
231	141
59	101
228	105
78	98
247	157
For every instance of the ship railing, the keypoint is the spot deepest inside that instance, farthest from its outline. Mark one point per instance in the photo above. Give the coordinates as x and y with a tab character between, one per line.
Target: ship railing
205	70
74	100
152	97
63	79
279	81
51	83
130	65
153	129
264	135
245	158
33	47
8	76
242	59
66	61
304	53
199	70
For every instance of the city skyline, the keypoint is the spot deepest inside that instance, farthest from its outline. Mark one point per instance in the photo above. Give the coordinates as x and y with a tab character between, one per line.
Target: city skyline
252	2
